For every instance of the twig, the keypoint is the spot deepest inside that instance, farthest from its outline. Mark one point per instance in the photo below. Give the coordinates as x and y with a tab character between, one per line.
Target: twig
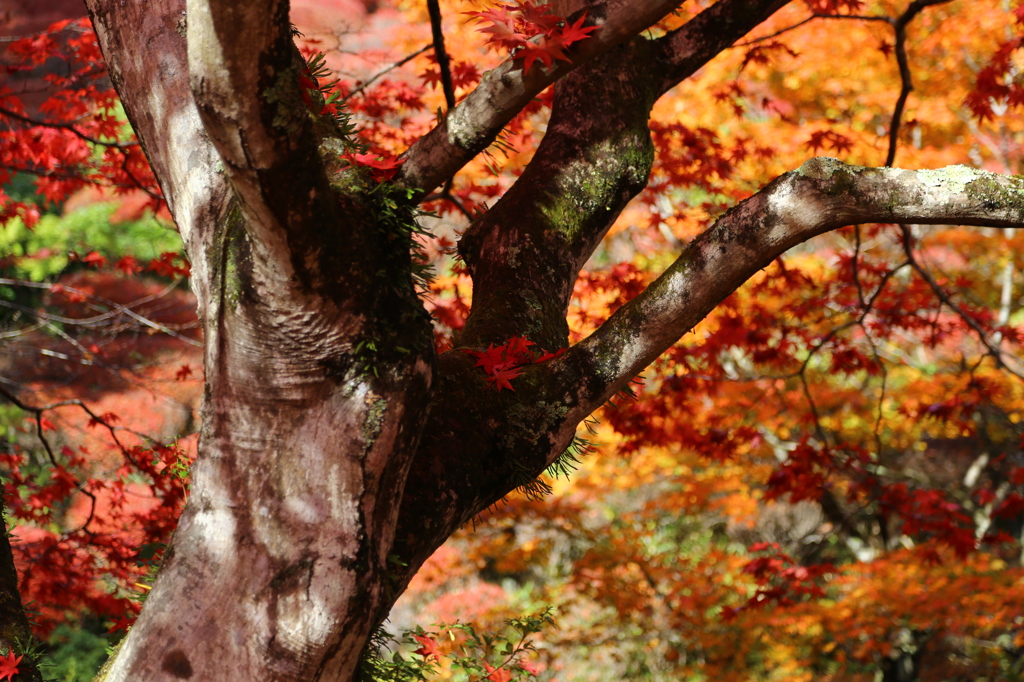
94	320
38	412
402	62
754	41
860	17
446	195
856	272
994	351
900	26
138	183
64	126
440	54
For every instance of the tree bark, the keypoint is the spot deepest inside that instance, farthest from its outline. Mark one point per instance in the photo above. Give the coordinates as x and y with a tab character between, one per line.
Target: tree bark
15	633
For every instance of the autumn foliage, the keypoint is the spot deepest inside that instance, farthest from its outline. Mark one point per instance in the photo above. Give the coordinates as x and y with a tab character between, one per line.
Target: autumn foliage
824	478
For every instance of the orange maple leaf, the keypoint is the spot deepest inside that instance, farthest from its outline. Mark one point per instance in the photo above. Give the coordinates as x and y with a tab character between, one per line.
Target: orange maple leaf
497	674
428	647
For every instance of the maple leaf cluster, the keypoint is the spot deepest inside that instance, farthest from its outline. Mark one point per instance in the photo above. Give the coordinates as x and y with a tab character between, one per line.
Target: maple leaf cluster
532	32
74	137
780	579
505	362
465	74
116	514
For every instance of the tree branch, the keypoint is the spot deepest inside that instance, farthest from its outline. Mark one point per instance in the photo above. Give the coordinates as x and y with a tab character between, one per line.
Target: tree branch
527	250
991	347
440	54
906	80
692	45
65	126
822	195
245	73
160	108
391	67
471	126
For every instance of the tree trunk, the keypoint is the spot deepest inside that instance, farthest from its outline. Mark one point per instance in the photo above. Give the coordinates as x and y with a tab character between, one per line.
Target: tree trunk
15	633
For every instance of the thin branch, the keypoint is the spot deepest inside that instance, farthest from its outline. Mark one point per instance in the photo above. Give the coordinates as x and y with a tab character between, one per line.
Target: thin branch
94	320
818	429
755	41
401	62
38	413
138	183
64	126
69	175
440	54
15	333
906	78
98	419
855	265
446	195
885	379
38	410
940	293
860	17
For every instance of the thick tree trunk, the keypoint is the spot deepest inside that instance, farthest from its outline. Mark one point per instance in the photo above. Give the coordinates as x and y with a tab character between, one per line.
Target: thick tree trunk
318	365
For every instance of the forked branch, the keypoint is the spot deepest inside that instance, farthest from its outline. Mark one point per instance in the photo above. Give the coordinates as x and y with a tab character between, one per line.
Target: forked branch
503	92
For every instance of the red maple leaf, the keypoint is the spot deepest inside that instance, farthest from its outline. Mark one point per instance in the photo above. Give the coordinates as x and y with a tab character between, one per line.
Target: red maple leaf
9	665
122	623
1011	507
548	356
492	360
128	265
94	259
517	348
502	29
576	31
502	378
104	419
829	138
538	17
383	168
165	266
546	52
